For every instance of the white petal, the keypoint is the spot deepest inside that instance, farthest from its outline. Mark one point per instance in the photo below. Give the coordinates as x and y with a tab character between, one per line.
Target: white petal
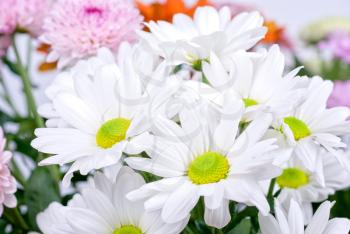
86	221
247	192
218	217
295	218
320	219
129	212
180	203
102	205
214	200
268	224
226	131
338	226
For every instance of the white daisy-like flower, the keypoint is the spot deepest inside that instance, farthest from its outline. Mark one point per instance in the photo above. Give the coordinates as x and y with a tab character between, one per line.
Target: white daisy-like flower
206	157
105	113
103	209
190	41
255	78
311	125
64	83
305	187
293	223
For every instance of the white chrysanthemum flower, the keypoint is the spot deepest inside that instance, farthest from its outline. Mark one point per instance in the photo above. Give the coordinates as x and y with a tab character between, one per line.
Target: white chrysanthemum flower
103	209
104	113
305	186
144	63
190	41
206	157
311	125
255	78
293	223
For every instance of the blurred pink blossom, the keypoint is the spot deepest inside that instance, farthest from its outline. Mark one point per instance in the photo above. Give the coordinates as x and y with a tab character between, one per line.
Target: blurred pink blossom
340	95
27	15
78	28
31	14
7	181
338	43
7	16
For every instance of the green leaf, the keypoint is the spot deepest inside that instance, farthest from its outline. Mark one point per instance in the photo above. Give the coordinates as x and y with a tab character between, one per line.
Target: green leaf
4	118
41	189
11	65
23	138
342	206
3	225
244	227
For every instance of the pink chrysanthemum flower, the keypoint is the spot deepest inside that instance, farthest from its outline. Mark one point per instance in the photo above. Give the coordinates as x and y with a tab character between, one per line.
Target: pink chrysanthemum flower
27	15
76	29
338	43
7	181
7	16
31	14
340	95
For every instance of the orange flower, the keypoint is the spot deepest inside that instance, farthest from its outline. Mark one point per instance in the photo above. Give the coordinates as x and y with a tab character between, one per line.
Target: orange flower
44	66
165	11
275	34
43	48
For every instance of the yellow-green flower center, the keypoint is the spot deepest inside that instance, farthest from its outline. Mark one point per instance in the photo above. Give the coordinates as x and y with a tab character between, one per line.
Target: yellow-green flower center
292	178
298	127
249	102
112	132
210	167
129	229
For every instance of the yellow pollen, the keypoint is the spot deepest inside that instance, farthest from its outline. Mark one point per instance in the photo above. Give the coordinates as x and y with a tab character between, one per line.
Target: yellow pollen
210	167
128	229
293	178
298	127
112	132
249	102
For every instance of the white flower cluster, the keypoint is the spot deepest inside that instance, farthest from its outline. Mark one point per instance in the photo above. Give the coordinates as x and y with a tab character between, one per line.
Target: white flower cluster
201	115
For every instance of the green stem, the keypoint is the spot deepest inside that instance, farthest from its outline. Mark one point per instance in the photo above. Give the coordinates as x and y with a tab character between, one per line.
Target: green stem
20	219
16	172
7	96
189	231
15	217
28	88
270	194
29	54
23	73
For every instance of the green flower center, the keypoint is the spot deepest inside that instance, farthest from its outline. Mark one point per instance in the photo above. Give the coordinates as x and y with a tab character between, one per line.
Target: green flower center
249	102
298	127
197	65
112	132
210	167
292	178
129	229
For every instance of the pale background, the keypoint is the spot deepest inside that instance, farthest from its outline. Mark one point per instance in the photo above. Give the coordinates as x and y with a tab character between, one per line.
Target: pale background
293	14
